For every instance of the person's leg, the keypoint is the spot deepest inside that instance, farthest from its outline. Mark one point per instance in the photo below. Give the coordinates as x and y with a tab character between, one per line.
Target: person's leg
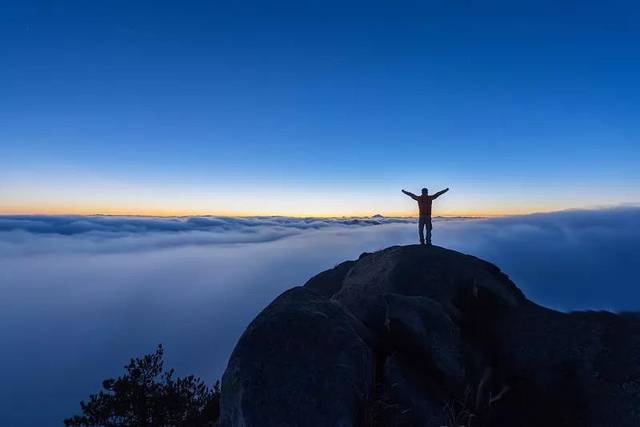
421	225
429	227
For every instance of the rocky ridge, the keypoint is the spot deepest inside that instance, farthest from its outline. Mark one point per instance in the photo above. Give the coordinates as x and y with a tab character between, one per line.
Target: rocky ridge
425	336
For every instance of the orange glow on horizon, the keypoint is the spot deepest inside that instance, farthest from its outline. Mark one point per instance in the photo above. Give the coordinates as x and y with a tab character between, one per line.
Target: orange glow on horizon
178	212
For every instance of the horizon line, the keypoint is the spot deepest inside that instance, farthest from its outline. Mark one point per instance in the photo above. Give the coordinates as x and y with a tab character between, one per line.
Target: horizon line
165	213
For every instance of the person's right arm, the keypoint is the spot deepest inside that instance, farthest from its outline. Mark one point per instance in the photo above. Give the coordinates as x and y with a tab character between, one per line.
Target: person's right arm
413	196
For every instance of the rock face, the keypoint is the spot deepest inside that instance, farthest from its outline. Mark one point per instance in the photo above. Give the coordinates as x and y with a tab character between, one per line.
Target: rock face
425	336
303	361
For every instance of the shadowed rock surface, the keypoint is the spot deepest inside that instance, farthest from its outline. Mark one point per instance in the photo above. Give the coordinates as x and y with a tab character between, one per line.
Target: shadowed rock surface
425	336
303	361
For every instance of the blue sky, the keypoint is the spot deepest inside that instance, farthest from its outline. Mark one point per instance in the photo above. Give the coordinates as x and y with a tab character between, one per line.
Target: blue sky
317	108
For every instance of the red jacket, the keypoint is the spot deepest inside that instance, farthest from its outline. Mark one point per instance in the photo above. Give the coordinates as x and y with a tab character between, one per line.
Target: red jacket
424	203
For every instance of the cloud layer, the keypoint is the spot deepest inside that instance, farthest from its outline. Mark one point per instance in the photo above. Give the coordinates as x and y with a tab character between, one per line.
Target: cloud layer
80	295
26	234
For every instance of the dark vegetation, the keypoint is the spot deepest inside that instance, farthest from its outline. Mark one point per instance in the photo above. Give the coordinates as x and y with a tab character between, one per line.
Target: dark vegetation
147	395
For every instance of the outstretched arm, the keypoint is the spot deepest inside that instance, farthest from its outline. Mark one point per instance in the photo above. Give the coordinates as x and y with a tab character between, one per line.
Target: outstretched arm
413	196
439	193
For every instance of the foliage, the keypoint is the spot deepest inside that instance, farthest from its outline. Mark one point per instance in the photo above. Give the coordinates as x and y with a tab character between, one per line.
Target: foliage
146	395
465	413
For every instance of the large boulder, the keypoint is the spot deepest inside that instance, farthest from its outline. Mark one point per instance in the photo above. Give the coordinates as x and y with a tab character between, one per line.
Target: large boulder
430	271
303	361
425	336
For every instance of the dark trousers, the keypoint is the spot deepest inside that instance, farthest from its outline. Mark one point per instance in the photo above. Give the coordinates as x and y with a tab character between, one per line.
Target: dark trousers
424	222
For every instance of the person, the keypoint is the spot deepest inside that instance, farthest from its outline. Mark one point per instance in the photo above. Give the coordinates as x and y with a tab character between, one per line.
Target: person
424	206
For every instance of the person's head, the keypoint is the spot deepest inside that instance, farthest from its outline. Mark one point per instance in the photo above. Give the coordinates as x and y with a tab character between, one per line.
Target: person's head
425	192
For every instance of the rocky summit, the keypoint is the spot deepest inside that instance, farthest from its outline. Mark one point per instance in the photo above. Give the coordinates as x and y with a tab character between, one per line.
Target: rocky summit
426	336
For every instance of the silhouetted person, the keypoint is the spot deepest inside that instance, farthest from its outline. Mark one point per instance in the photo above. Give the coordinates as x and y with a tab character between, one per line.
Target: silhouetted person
424	204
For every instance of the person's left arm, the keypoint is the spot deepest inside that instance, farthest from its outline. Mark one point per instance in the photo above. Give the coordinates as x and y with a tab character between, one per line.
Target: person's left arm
439	193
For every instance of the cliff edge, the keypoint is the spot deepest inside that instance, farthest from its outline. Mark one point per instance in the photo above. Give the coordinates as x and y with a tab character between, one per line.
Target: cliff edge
426	336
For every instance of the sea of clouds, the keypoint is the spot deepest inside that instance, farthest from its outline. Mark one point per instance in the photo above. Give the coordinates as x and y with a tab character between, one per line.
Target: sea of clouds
82	294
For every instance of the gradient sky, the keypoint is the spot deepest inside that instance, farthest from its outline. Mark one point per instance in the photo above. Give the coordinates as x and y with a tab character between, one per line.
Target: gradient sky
317	108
